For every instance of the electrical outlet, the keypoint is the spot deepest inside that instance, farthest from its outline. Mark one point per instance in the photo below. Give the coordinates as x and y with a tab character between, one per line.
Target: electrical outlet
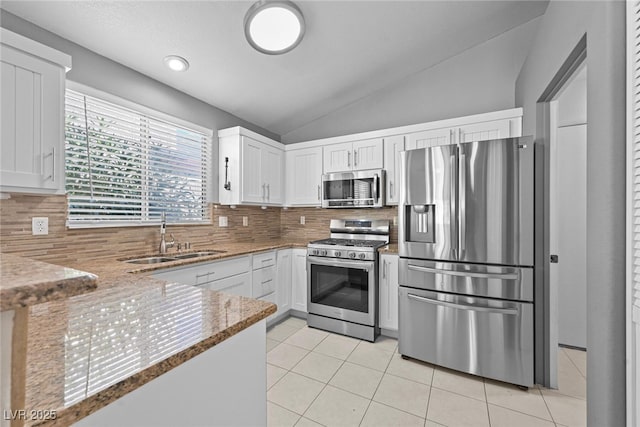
245	221
395	221
302	220
223	221
39	226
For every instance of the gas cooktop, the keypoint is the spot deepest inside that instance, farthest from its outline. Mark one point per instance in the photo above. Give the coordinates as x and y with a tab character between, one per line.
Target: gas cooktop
349	242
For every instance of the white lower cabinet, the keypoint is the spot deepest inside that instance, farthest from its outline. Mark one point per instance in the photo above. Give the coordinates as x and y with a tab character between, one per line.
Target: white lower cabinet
299	280
388	292
283	275
239	284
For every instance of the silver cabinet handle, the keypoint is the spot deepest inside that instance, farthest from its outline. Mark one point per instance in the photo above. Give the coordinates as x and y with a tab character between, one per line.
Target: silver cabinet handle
355	158
501	276
318	193
52	177
267	281
462	218
384	269
507	311
264	191
391	188
349	158
268	191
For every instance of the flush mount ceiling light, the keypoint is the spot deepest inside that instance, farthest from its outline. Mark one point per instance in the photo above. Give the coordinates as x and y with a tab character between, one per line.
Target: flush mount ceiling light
176	63
274	26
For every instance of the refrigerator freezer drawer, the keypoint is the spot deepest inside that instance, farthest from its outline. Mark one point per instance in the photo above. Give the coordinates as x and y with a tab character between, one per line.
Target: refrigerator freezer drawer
513	283
485	337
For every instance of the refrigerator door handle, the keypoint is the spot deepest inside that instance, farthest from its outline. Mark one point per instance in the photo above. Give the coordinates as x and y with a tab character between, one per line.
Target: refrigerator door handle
462	218
452	205
501	276
507	311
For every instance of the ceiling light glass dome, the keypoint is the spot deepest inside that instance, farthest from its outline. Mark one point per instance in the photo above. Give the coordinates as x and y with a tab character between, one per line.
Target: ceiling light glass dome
274	26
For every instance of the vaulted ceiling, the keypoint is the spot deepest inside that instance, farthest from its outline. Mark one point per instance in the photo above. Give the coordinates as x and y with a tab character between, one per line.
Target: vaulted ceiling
351	49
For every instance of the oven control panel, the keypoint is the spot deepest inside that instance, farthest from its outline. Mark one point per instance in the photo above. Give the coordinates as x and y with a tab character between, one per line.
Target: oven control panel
355	254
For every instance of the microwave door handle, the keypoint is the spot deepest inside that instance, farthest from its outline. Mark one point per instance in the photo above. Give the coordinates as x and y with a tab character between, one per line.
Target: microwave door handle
376	183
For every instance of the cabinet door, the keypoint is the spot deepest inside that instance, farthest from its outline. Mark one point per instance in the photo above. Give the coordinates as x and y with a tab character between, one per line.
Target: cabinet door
389	292
495	129
283	277
253	185
304	176
393	146
429	138
272	165
337	157
32	108
367	154
299	280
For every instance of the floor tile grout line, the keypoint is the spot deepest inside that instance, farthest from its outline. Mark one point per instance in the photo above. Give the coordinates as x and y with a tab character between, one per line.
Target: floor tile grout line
574	363
486	400
286	409
553	419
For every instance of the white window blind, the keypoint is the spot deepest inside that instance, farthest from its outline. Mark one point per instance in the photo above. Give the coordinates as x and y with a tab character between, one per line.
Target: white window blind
635	153
124	167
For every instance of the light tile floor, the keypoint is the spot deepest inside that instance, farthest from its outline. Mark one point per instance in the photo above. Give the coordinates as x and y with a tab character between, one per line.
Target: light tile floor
317	378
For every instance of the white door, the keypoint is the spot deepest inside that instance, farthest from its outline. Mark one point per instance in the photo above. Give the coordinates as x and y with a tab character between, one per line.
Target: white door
253	185
483	131
299	280
272	169
304	176
337	157
429	138
568	233
393	146
367	154
32	111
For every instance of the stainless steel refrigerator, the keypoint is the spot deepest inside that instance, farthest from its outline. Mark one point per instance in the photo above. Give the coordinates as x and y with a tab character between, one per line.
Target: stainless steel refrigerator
466	258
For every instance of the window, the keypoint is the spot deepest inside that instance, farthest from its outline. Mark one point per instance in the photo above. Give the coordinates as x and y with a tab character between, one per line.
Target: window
124	167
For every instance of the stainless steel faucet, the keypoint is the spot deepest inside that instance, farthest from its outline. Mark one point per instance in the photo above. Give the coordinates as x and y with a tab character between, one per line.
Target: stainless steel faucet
164	245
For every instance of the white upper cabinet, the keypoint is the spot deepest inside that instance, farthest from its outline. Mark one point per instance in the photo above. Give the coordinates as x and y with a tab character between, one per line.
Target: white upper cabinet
251	168
356	155
393	146
430	138
304	176
494	129
32	116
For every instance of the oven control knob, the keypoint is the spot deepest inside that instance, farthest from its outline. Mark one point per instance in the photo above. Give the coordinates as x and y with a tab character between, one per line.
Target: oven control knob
313	251
338	253
323	252
352	254
362	256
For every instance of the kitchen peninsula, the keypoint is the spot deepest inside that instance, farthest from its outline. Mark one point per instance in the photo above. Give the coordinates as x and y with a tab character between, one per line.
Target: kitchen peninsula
124	349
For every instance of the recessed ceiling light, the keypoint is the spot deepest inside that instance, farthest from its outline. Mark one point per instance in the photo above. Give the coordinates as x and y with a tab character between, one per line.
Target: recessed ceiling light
274	26
176	63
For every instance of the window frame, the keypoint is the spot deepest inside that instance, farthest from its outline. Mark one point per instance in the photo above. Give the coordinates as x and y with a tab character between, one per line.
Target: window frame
155	114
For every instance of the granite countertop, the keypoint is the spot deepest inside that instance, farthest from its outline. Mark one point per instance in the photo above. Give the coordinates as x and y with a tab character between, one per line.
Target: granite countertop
25	282
391	248
85	352
137	326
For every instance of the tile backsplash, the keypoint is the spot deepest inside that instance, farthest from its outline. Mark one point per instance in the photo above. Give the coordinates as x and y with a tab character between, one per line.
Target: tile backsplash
68	246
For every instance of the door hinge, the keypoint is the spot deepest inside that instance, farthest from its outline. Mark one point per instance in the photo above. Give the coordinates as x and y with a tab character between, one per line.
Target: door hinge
554	259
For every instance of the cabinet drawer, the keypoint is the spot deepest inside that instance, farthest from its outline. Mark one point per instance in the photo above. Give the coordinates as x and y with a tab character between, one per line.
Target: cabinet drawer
264	259
199	274
264	281
235	285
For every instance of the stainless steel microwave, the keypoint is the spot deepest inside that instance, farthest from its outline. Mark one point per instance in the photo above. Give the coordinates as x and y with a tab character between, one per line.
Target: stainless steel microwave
360	189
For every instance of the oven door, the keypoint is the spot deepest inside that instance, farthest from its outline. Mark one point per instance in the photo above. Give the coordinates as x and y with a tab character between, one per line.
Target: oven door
342	289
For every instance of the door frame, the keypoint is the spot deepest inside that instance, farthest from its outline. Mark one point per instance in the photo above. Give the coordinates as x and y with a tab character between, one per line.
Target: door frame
546	307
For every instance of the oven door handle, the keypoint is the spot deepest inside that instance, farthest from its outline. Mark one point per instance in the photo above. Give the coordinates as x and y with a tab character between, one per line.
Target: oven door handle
501	276
340	262
507	311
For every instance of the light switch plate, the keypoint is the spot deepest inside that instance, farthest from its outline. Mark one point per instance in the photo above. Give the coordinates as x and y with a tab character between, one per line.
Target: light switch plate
245	221
39	226
223	221
302	220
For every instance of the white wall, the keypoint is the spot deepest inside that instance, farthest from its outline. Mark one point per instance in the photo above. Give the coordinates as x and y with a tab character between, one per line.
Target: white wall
563	25
479	80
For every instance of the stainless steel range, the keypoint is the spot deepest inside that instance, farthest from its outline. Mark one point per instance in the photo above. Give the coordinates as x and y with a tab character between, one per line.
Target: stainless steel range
342	278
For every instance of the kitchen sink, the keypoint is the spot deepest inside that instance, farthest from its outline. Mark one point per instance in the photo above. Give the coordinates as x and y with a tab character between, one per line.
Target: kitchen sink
196	254
150	260
176	257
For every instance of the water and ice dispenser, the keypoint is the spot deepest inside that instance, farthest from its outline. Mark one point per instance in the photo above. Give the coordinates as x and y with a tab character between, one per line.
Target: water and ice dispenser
420	223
